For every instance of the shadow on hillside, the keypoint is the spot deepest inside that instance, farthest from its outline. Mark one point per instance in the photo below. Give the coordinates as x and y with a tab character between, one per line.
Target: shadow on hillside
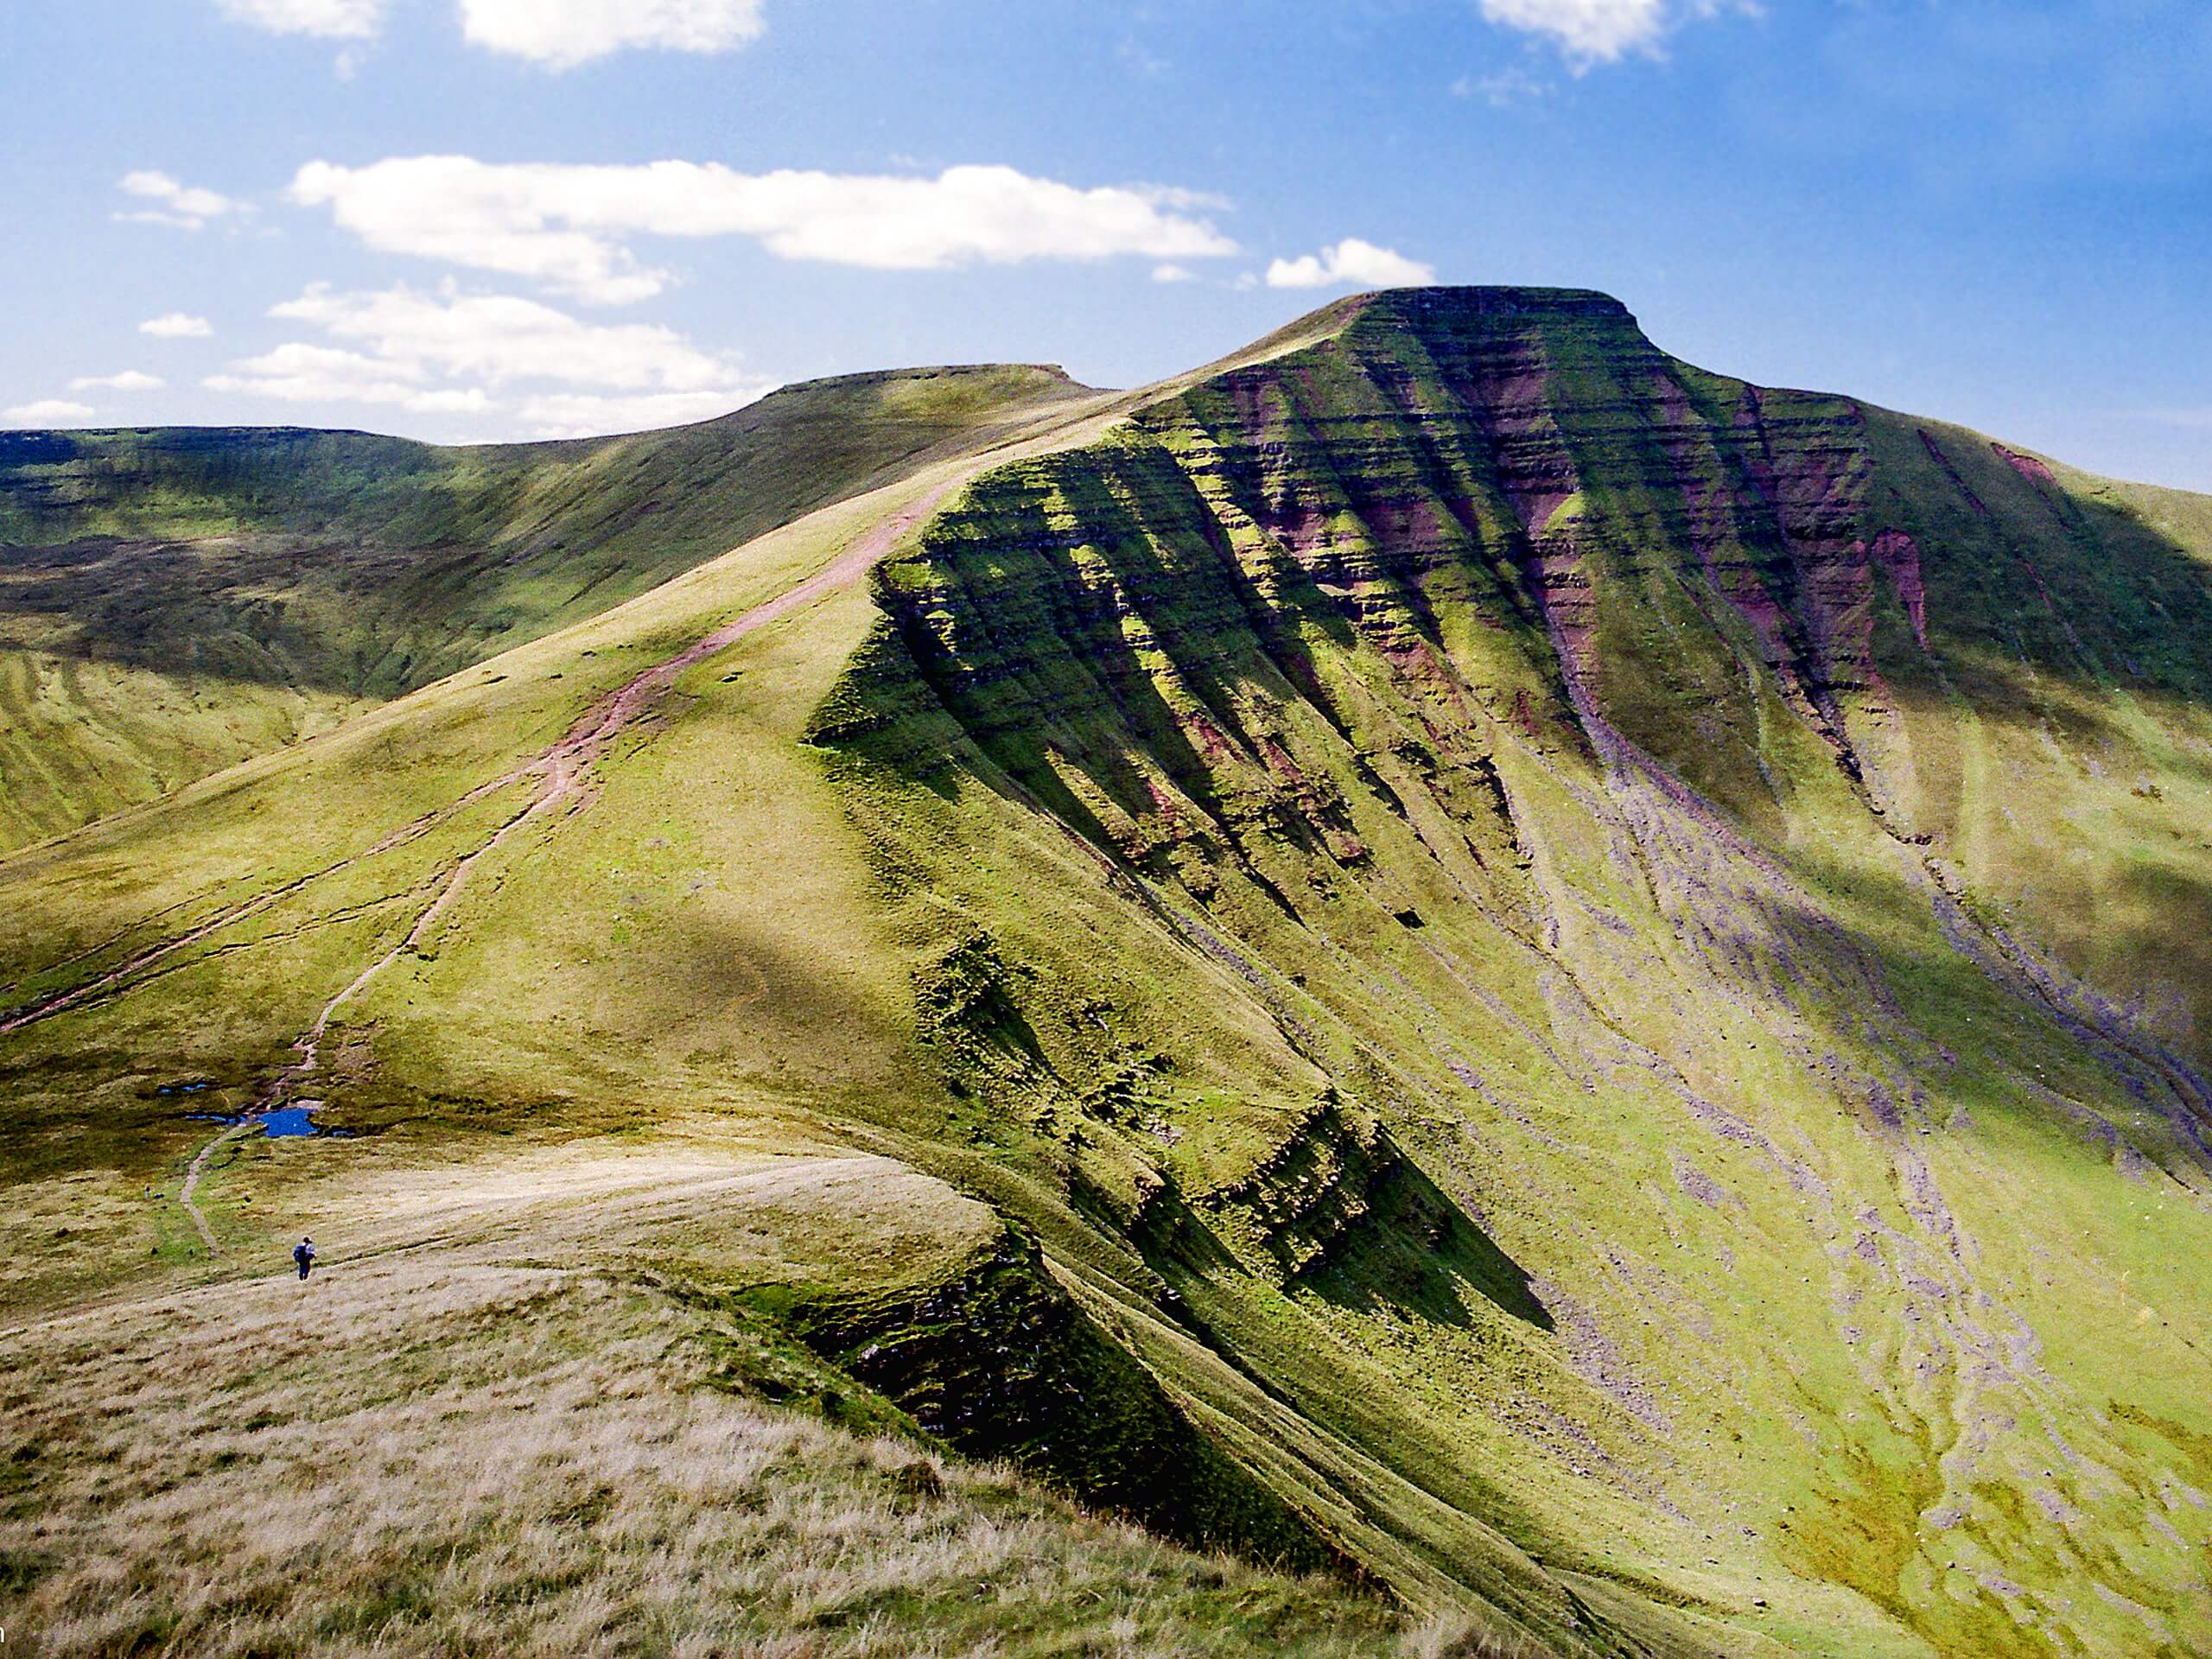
1054	671
1417	1252
2044	607
2070	585
250	610
1387	1237
1987	1042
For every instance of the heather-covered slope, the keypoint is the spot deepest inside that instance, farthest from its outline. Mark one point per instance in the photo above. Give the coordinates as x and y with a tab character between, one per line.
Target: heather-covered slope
1555	985
173	600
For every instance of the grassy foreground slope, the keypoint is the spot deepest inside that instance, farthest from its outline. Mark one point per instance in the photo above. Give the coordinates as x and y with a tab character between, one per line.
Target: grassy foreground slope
172	601
1440	956
461	1453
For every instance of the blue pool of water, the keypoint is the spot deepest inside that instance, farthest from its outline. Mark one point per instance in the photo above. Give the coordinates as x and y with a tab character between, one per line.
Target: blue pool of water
284	1121
288	1119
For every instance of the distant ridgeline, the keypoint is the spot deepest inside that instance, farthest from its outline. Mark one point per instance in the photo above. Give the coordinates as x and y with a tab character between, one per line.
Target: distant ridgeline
176	600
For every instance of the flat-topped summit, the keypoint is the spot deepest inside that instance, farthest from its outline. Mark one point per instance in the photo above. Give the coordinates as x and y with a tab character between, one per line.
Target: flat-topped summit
1473	300
1465	315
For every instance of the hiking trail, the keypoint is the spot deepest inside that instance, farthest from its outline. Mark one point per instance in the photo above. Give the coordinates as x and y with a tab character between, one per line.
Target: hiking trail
563	772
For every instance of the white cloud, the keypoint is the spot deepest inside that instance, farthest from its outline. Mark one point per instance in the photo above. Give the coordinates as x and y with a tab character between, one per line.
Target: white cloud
558	33
298	374
564	227
186	207
1350	261
498	337
177	325
561	34
48	411
1510	85
344	20
1173	273
129	380
582	415
453	352
1590	31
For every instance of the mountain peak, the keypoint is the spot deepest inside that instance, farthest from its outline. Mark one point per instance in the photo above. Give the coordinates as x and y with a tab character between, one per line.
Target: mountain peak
1436	313
1494	301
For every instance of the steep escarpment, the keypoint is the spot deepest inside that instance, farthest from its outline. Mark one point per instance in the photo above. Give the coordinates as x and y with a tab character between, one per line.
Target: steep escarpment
1549	523
1617	1054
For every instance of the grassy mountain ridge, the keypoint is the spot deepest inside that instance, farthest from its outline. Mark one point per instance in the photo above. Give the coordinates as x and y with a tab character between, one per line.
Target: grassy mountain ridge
1567	964
172	601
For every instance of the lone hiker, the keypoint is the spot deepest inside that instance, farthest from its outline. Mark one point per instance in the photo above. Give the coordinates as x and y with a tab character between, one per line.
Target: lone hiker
303	1253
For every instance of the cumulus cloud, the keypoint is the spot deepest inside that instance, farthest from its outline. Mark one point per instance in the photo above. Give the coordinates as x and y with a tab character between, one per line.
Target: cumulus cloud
342	20
1591	31
1361	264
454	352
296	372
556	34
177	325
583	414
129	380
48	411
561	34
186	207
498	337
1173	273
564	226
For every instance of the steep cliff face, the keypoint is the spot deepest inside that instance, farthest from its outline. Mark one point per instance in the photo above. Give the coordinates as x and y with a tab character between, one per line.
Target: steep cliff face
1672	1034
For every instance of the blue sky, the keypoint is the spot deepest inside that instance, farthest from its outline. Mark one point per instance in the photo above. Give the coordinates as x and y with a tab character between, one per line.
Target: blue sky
477	219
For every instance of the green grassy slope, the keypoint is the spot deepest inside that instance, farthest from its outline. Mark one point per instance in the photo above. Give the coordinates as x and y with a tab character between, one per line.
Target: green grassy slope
1551	984
174	600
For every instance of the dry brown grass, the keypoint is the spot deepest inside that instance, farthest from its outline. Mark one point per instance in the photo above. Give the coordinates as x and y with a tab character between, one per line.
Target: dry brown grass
424	1456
